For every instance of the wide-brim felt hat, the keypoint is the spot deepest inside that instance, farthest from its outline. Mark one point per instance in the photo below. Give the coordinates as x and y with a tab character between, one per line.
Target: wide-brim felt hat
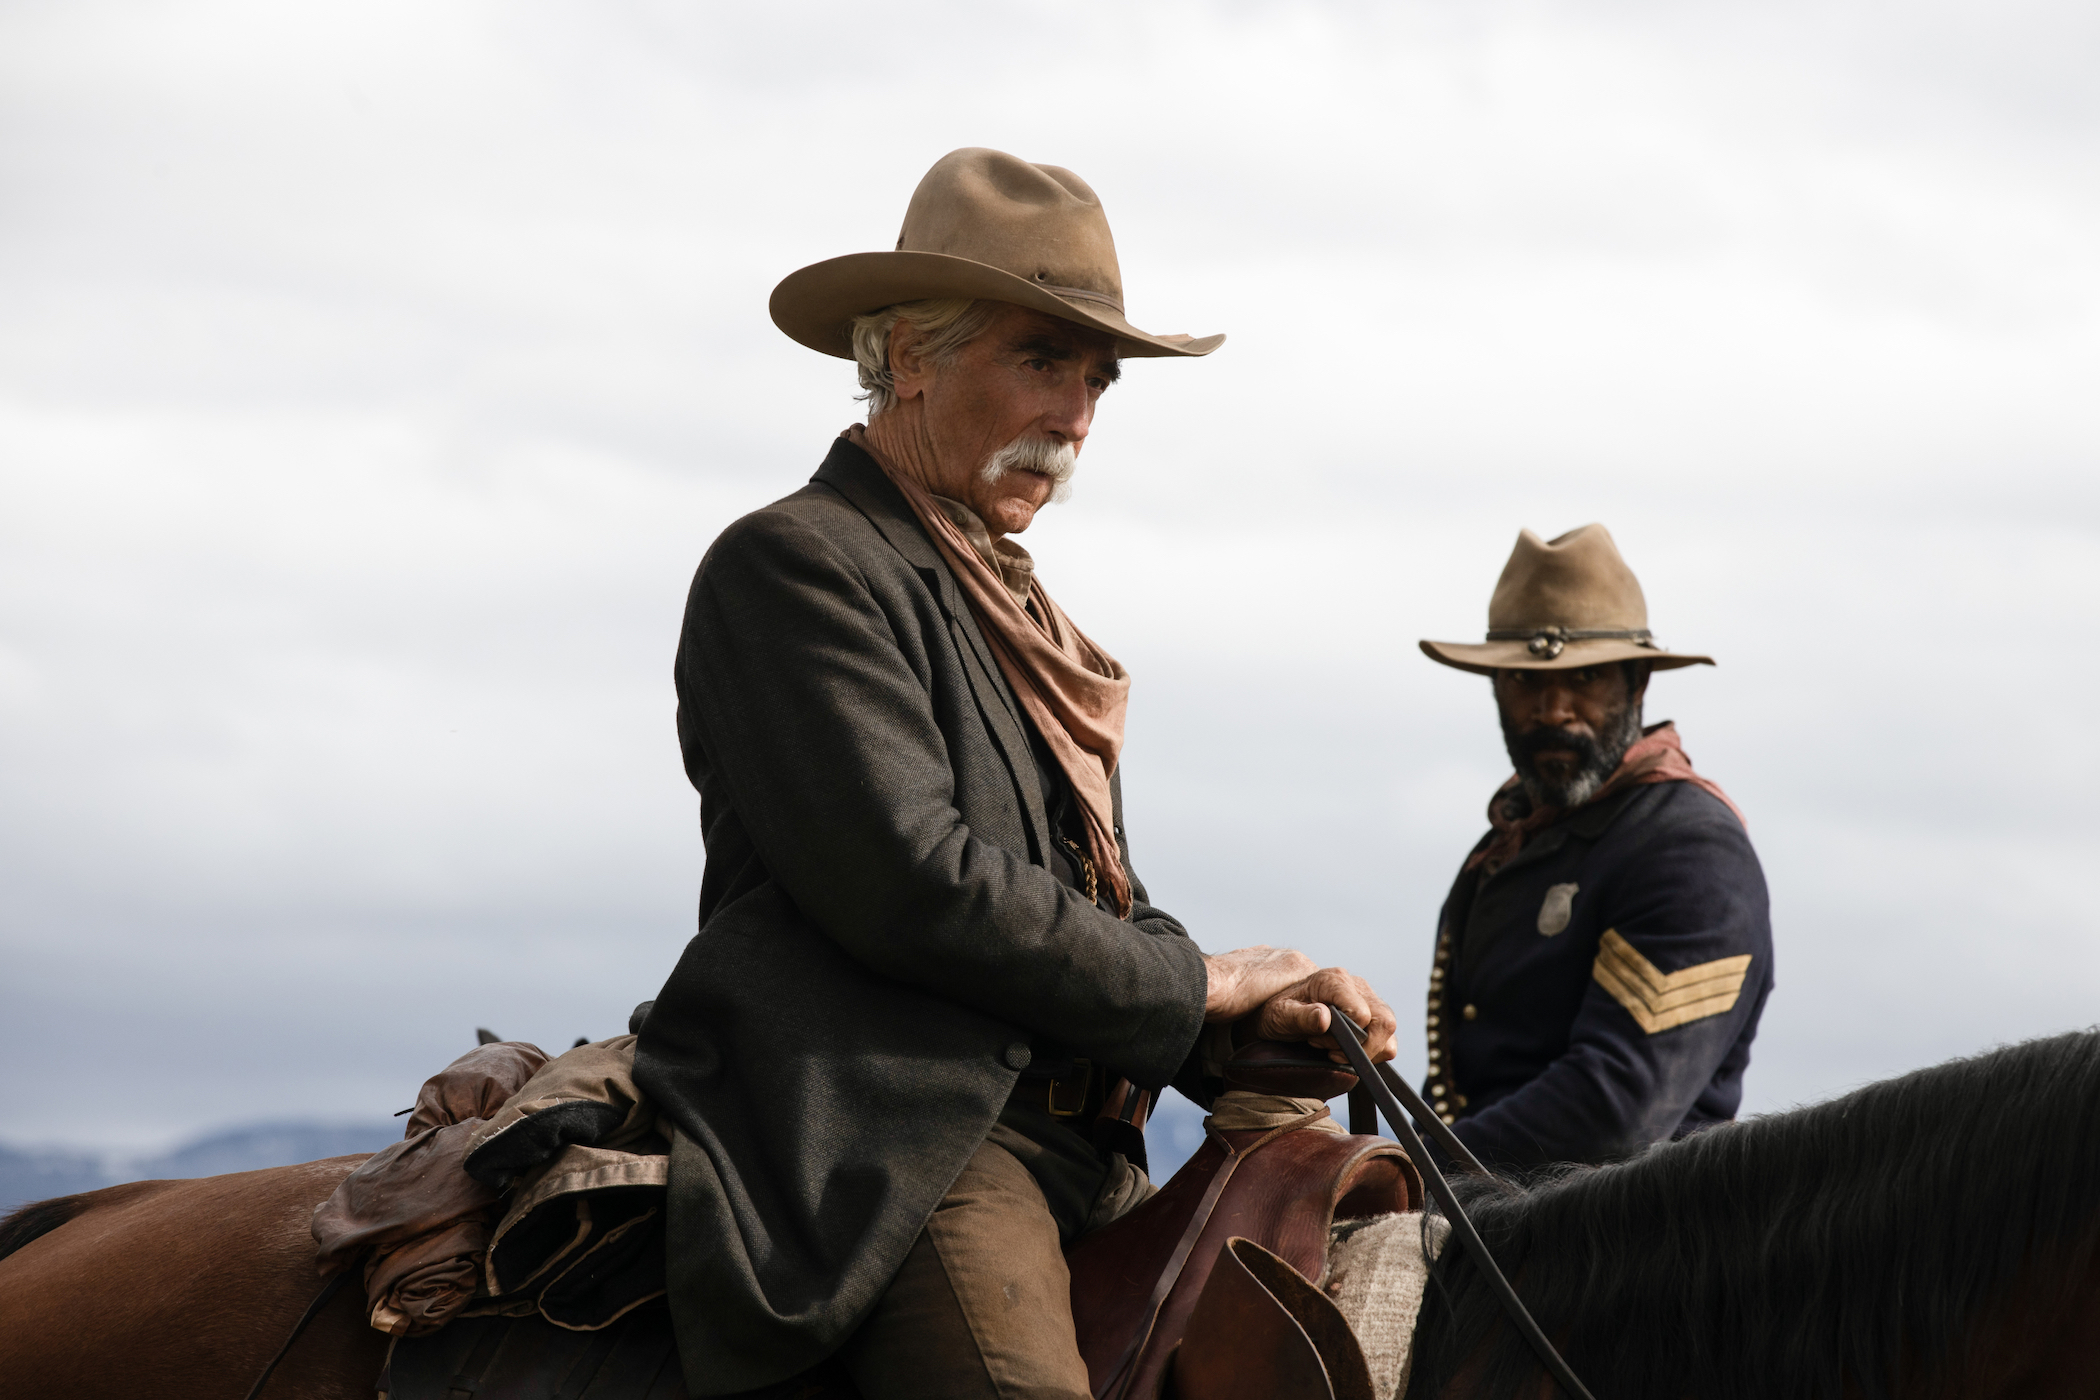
987	226
1560	604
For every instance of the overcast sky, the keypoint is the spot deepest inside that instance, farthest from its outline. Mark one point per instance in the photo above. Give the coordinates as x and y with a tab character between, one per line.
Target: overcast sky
372	377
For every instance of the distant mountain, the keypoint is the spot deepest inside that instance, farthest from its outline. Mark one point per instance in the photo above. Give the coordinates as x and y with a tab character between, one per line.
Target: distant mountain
36	1173
260	1145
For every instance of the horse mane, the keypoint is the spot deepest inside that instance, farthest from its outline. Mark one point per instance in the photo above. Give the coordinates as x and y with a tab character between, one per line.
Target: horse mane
1839	1250
36	1220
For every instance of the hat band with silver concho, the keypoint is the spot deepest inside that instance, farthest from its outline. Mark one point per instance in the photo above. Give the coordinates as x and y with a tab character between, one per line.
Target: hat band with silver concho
1598	613
1546	643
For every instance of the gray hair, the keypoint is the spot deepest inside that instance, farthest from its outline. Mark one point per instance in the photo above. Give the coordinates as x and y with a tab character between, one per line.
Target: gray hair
944	326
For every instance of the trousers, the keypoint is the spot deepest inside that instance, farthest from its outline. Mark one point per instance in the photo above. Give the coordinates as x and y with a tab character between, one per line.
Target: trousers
982	1308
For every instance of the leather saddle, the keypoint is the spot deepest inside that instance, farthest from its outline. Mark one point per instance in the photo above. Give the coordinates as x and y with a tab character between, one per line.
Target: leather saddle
1137	1283
1261	1331
1228	1254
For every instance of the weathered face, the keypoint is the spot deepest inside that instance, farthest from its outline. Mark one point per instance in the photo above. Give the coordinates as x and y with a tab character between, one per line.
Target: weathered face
1026	376
1567	730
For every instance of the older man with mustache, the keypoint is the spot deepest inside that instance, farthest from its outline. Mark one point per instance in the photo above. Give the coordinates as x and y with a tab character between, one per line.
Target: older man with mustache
1606	951
902	1059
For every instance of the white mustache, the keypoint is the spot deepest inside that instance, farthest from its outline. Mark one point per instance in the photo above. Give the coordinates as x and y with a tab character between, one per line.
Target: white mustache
1056	460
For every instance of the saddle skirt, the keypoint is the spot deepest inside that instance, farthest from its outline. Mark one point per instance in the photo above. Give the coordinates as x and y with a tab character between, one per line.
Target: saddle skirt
1284	1191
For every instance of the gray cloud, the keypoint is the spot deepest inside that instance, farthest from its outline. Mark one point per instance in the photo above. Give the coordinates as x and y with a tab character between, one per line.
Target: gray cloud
373	379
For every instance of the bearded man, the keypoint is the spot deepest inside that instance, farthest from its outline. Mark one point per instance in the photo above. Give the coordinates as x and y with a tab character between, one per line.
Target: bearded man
925	965
1606	951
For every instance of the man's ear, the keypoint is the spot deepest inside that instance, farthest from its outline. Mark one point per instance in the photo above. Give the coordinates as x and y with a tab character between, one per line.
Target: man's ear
910	371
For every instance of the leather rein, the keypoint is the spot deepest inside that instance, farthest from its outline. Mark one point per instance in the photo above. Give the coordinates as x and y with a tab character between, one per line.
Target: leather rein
1390	1090
313	1310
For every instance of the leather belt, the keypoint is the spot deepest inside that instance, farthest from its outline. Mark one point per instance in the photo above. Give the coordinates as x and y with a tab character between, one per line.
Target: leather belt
1063	1095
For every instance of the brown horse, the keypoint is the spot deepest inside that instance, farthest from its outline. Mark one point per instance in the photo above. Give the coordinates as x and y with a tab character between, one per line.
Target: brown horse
179	1290
1935	1235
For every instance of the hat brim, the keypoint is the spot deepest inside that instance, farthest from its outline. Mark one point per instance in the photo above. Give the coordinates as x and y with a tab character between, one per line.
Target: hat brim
816	305
1486	658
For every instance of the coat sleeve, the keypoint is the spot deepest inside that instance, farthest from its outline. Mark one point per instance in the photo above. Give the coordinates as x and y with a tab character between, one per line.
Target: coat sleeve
793	677
1679	979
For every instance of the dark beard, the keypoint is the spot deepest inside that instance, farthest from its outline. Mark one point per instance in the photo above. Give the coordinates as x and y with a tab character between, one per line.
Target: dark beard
1599	758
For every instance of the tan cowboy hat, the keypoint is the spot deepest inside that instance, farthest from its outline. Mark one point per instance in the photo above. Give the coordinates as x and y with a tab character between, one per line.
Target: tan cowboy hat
988	226
1560	604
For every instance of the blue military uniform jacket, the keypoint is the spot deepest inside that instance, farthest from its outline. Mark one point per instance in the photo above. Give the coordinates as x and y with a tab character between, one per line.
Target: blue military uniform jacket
1599	992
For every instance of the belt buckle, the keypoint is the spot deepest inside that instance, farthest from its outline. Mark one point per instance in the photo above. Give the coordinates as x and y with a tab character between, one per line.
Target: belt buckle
1071	1090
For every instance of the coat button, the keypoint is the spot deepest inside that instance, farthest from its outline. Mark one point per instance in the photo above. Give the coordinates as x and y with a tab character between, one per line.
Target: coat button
1471	1013
1018	1055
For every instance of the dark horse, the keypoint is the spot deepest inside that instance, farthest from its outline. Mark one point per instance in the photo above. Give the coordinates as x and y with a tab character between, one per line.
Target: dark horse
1934	1235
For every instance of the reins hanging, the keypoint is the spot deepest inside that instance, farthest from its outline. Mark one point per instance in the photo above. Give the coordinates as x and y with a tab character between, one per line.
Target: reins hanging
313	1310
1388	1088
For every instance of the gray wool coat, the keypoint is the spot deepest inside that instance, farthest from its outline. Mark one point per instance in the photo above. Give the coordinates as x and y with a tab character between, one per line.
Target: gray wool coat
881	948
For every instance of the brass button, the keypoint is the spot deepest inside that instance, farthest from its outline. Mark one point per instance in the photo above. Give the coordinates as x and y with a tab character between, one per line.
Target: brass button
1471	1012
1461	1099
1432	1019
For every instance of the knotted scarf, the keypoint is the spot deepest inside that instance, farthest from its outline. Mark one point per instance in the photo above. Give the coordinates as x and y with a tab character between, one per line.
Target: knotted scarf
1075	693
1658	756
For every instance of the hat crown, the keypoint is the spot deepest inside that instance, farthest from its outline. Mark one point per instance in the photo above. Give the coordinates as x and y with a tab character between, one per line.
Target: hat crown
1038	222
1576	580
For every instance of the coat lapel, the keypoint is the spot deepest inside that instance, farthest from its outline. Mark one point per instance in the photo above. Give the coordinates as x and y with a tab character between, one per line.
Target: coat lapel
853	474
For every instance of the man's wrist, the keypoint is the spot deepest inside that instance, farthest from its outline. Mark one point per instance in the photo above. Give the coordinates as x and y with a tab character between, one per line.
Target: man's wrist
1221	983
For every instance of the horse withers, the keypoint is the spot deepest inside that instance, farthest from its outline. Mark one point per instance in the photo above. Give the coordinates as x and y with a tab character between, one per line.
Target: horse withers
180	1290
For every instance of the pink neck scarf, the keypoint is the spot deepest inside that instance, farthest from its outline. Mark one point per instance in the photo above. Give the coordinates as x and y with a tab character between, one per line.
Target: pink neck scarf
1075	693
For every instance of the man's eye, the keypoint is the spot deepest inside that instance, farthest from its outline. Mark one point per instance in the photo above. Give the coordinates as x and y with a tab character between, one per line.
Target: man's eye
1038	363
